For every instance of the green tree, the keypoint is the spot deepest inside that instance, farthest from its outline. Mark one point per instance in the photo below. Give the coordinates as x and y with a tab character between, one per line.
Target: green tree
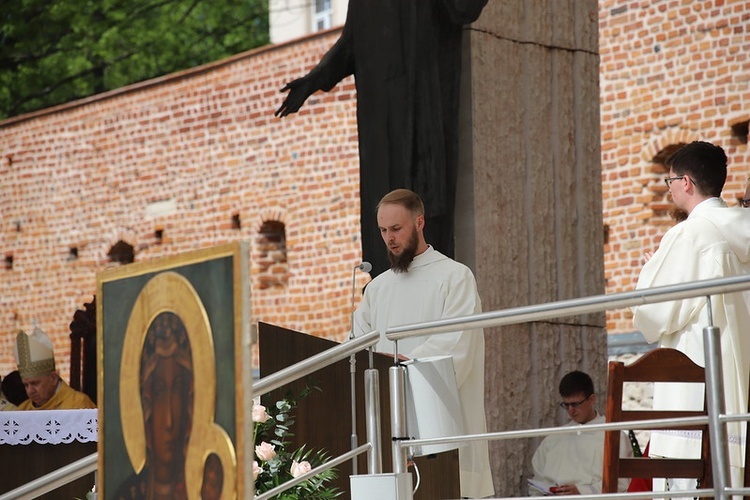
55	51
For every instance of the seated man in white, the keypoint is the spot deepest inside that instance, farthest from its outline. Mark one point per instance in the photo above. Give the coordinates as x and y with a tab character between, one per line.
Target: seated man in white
571	464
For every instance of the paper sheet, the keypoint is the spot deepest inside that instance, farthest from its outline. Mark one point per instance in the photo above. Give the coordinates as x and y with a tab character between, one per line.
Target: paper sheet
541	486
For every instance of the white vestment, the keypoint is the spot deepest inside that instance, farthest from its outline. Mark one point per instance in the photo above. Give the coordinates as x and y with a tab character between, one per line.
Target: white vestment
576	459
713	242
437	287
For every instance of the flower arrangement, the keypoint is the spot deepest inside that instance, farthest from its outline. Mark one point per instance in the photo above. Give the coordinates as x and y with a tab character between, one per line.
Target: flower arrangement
274	465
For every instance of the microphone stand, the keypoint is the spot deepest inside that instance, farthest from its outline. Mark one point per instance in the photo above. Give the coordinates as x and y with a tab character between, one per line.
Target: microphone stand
353	377
353	383
366	267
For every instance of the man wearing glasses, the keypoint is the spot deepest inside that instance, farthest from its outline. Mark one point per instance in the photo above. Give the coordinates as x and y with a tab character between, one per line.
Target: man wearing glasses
571	464
745	202
713	242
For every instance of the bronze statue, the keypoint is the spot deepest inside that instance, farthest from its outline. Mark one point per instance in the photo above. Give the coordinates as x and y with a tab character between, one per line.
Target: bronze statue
405	56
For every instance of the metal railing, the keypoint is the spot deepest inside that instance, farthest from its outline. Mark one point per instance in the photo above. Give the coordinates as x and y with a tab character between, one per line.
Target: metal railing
54	479
714	384
516	315
88	464
314	363
571	307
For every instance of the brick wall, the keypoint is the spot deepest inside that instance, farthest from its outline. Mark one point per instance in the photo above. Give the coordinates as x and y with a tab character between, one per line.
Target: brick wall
205	143
671	71
189	155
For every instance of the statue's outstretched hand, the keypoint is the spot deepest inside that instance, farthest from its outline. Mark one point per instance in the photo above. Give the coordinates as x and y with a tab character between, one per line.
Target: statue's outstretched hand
299	90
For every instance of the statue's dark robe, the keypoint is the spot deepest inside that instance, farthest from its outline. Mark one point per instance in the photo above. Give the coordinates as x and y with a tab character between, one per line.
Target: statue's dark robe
405	56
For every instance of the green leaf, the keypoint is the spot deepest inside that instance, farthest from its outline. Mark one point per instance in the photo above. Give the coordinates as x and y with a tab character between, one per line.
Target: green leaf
55	51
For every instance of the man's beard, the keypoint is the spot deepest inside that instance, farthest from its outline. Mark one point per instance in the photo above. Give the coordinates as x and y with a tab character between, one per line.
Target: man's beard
401	263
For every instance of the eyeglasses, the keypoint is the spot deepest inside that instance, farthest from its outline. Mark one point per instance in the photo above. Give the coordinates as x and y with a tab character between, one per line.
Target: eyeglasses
668	180
566	406
745	202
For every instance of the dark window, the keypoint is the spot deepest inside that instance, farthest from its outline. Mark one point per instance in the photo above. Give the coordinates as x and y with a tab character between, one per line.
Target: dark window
121	253
269	256
740	130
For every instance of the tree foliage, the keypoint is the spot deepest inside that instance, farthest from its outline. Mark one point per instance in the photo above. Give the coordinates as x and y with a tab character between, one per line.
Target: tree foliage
55	51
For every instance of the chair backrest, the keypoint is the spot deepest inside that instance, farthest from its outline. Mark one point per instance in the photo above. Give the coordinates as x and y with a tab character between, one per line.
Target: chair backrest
658	365
83	373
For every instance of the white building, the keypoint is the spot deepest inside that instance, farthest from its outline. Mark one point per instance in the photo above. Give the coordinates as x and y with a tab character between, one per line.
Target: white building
289	19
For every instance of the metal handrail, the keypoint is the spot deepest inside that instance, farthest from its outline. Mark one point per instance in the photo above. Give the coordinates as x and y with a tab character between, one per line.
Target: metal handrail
640	424
631	496
545	431
314	363
570	307
317	470
715	418
88	464
597	303
54	479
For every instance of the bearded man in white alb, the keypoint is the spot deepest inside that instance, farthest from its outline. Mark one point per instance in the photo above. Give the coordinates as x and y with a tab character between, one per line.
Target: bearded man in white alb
424	285
713	242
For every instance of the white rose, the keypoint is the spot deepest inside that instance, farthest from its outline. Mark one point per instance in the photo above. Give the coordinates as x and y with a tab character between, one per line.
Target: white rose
265	451
297	469
256	470
259	414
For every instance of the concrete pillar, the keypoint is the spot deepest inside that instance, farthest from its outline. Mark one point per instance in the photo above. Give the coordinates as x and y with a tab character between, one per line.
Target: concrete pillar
530	209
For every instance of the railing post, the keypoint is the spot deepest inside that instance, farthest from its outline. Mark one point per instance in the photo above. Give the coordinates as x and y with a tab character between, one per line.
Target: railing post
715	406
372	421
397	378
353	389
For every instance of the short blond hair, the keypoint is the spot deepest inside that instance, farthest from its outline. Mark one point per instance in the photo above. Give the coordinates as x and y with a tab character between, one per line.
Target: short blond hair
406	198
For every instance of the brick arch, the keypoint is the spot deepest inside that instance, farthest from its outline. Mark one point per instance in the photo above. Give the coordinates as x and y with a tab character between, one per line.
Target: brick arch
269	260
125	235
670	136
276	213
663	211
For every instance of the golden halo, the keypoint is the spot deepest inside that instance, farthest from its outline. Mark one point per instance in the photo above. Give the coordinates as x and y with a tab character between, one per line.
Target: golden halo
171	292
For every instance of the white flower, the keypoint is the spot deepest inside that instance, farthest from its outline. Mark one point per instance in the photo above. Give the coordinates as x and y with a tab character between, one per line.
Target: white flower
265	451
259	414
297	469
256	470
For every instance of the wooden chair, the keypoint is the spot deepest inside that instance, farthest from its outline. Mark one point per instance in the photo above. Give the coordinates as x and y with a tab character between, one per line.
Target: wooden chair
83	374
659	365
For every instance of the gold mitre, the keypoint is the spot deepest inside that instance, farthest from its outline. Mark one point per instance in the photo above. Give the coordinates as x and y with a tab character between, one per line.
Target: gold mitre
35	355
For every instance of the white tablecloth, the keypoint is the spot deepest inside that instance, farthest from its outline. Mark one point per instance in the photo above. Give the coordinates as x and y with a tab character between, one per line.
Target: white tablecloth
48	426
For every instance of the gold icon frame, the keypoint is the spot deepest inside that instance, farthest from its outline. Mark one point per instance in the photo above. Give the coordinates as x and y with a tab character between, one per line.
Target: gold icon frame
209	291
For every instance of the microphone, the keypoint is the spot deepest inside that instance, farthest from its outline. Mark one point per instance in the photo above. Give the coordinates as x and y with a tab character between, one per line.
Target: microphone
365	267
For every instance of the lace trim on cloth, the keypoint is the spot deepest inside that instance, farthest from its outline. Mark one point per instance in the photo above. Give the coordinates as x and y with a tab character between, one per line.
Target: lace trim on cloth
696	435
48	426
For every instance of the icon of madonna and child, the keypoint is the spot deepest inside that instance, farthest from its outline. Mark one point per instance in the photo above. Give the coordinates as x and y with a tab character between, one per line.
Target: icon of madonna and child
175	449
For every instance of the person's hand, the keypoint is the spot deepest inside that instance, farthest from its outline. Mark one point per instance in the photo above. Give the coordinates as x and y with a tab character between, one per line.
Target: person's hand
565	489
299	91
647	256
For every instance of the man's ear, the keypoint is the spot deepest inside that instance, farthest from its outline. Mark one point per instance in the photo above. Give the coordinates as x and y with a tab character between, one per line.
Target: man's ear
690	187
420	222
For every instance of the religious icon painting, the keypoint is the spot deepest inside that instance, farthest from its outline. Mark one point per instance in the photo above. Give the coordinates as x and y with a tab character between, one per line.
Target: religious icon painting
175	383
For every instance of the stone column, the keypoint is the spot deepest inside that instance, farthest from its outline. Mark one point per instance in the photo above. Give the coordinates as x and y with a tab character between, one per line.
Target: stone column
529	217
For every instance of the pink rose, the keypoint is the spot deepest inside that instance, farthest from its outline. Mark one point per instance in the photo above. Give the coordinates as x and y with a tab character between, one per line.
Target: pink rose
256	470
297	469
259	414
265	451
